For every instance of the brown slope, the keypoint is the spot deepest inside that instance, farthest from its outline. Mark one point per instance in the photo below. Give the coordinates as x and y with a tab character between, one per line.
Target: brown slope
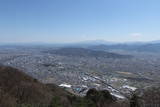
19	88
22	88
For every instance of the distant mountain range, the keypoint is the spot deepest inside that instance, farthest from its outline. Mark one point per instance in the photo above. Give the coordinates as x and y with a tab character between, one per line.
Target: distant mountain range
82	52
82	43
148	47
100	45
103	42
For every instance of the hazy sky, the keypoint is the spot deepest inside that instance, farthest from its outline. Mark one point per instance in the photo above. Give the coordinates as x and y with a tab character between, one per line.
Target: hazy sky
79	20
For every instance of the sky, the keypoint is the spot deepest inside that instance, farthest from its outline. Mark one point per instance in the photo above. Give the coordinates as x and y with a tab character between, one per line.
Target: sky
61	21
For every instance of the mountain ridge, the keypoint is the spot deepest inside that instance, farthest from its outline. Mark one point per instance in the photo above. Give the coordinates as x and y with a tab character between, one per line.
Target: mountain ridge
83	52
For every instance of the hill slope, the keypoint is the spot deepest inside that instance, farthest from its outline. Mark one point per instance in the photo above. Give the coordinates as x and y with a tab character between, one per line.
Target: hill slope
20	90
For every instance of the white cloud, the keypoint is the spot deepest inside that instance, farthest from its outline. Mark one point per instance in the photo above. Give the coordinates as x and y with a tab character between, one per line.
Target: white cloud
136	35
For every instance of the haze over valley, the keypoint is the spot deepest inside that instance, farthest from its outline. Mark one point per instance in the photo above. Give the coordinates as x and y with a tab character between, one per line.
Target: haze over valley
119	68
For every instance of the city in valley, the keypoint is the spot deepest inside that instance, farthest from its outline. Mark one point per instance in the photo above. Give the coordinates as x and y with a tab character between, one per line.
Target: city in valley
78	69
